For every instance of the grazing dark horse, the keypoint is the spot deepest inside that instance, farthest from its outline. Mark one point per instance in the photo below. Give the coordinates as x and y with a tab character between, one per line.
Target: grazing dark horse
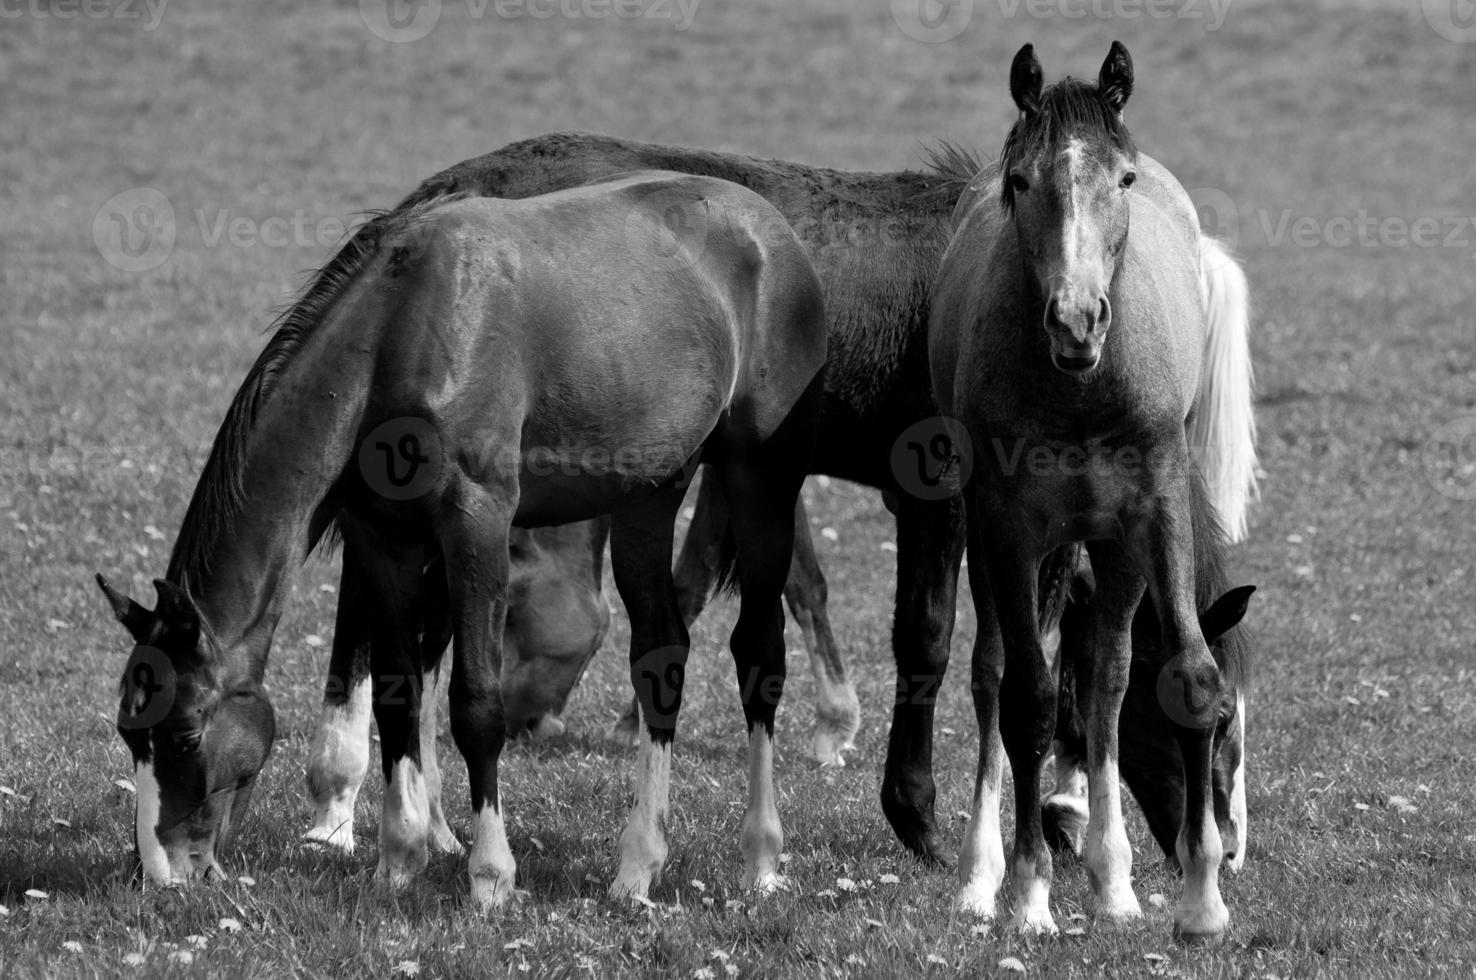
875	240
557	619
1067	334
465	367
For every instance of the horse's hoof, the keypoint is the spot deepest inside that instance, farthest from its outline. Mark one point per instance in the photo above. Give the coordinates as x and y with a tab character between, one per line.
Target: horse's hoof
1117	920
339	838
393	880
770	883
1035	922
490	889
632	888
1199	925
830	751
976	902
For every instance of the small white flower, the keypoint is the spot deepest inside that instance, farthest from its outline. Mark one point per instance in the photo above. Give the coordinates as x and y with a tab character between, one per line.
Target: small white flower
704	973
936	959
199	942
246	880
1158	900
889	879
855	960
230	925
845	884
1012	964
134	959
407	968
313	640
182	956
700	886
72	946
37	894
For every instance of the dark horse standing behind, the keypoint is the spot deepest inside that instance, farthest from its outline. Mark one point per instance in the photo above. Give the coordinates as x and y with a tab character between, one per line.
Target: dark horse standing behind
539	362
1067	329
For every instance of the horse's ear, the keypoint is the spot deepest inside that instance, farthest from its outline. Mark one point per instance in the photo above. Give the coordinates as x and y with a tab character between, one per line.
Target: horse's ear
1025	80
176	610
1225	613
1115	80
135	618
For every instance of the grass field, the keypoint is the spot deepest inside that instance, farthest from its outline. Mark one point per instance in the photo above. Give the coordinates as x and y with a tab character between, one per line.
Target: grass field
1331	142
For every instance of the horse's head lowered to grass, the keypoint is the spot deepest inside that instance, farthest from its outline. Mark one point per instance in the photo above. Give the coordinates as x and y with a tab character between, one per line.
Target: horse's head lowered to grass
182	714
1067	166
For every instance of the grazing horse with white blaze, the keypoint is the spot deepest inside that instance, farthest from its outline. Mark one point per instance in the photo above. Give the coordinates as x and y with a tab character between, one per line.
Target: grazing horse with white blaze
526	345
1067	334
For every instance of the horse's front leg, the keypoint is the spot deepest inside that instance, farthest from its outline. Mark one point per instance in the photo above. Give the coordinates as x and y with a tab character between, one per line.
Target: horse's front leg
395	610
1027	712
981	864
1190	691
929	548
339	758
640	557
474	541
435	687
1103	680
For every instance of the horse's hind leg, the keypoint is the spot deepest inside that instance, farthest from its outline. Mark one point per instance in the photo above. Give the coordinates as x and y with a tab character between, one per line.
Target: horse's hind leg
339	757
762	498
695	576
837	712
1103	679
435	683
473	535
930	539
640	556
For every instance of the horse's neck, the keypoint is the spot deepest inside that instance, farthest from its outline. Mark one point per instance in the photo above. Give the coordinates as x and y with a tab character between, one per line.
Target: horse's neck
241	564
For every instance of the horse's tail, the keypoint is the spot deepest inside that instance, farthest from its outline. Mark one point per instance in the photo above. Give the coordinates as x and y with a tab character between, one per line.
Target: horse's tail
1222	425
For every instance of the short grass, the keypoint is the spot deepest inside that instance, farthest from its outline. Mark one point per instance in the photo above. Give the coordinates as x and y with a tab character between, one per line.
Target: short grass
1363	855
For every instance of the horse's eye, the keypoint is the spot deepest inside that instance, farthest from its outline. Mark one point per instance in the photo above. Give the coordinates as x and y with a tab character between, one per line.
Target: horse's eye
187	742
1018	183
1128	179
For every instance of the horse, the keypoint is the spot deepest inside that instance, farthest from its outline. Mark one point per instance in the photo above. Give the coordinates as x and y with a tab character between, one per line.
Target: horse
557	620
1066	335
469	366
875	240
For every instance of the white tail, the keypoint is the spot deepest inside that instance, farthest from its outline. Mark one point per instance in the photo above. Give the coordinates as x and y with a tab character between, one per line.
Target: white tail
1222	425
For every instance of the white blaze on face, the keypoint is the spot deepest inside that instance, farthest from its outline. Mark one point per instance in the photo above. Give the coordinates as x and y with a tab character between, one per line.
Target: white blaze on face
146	820
1072	230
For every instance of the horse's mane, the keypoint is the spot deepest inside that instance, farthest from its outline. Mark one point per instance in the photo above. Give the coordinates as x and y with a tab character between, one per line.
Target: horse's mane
1071	106
955	164
220	493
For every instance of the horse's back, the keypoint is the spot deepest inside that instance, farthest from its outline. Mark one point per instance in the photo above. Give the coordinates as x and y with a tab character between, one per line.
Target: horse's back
614	339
